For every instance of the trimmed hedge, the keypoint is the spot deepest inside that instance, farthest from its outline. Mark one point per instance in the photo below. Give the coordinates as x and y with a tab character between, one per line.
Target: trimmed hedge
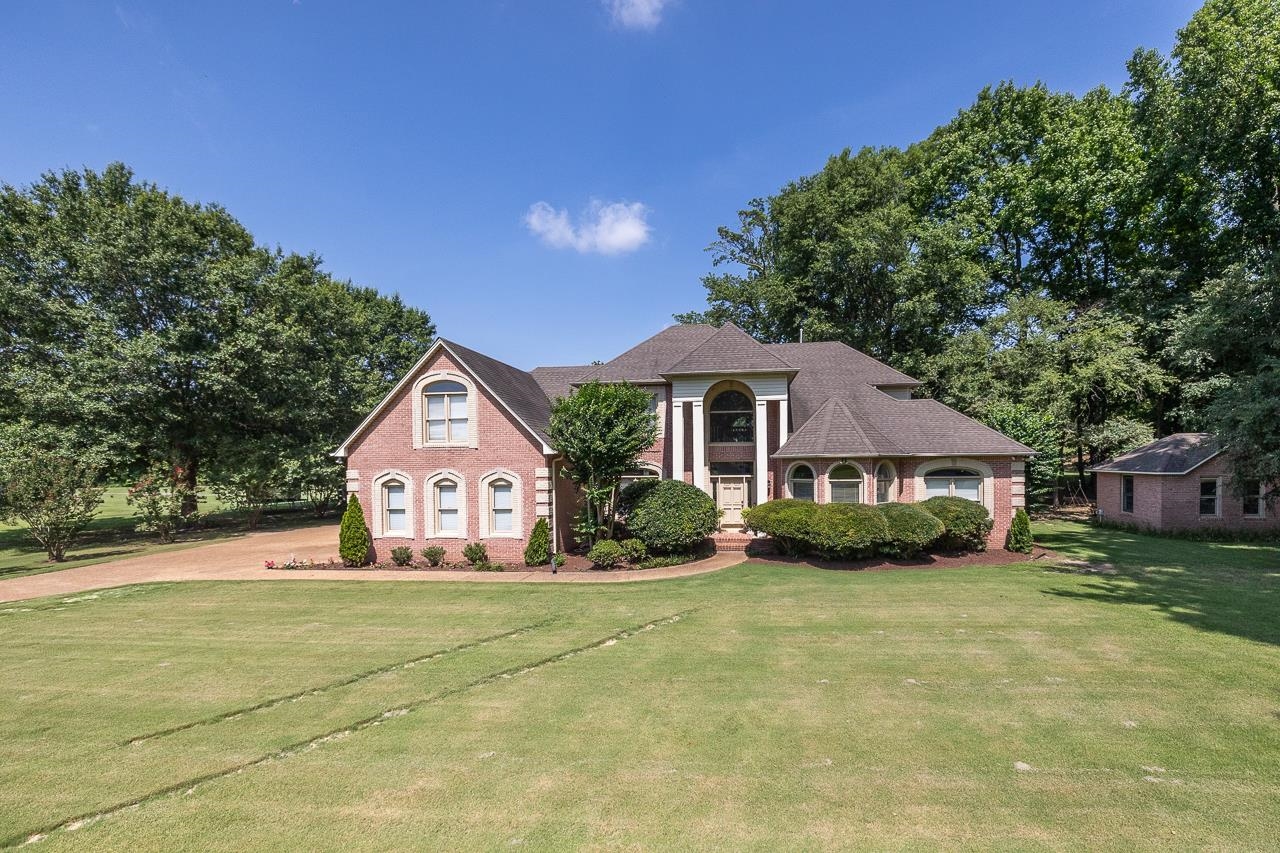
668	516
786	521
1019	538
830	531
911	530
967	523
607	554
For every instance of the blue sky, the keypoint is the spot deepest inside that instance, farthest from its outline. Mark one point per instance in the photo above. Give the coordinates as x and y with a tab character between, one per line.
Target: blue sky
542	177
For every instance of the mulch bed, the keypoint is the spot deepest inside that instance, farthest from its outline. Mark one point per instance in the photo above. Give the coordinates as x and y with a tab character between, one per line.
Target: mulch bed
993	557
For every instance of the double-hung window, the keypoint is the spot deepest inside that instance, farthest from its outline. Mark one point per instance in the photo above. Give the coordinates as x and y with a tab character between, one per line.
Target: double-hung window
1126	493
446	412
395	518
1210	500
500	507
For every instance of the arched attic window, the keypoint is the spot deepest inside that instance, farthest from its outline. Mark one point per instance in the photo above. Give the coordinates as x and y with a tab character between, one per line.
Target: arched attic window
732	418
446	412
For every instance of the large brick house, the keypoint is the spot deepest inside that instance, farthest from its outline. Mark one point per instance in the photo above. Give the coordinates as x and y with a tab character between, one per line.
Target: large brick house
1180	482
458	451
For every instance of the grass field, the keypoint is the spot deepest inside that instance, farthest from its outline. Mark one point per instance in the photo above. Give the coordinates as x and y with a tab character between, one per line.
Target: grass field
760	707
110	536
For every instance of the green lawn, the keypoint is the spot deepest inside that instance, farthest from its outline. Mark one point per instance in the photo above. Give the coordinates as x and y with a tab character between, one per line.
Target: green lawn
110	536
758	707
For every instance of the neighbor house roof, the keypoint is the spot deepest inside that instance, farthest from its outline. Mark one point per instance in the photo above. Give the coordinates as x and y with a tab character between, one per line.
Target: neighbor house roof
729	350
1180	453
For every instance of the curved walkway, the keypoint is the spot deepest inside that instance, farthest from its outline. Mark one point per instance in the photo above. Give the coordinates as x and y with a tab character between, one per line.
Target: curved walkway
242	559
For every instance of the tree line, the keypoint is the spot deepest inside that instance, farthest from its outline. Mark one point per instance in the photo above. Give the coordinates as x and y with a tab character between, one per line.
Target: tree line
1081	271
151	341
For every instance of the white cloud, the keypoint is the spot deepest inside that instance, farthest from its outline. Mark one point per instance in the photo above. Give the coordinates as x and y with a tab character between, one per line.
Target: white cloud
606	229
636	14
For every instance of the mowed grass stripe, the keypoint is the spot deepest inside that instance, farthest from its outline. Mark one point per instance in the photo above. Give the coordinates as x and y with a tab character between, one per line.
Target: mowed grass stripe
188	785
334	685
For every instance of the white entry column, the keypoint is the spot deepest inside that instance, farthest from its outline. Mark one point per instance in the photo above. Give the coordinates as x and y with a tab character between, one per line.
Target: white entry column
699	448
677	440
782	422
762	451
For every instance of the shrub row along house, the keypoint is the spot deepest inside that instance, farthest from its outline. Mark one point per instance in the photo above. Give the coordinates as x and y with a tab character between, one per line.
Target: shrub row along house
458	451
1180	483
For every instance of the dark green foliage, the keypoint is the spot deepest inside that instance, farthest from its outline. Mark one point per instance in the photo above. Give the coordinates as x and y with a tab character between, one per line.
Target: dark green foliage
846	531
786	521
402	555
433	554
673	517
560	559
353	535
911	530
475	553
1019	538
486	566
633	493
538	551
54	495
967	523
634	550
606	554
666	560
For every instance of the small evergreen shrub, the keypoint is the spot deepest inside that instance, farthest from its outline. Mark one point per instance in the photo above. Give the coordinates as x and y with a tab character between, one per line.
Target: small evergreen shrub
786	521
633	550
475	553
433	554
967	523
538	551
486	566
402	555
1019	538
911	530
847	531
670	516
353	535
606	554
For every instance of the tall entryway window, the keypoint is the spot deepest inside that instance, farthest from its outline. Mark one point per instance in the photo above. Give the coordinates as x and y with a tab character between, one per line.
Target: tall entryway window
732	418
731	489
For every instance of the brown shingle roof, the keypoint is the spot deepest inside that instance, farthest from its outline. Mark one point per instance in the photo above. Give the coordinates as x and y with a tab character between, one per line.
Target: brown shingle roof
558	381
834	431
1180	453
516	388
648	360
729	350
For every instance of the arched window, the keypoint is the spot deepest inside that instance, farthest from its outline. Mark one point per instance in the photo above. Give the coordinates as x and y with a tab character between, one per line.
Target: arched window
446	412
448	513
886	483
501	508
640	472
395	518
800	482
955	482
732	418
846	484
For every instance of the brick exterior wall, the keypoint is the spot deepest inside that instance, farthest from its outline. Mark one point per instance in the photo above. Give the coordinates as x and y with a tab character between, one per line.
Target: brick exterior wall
387	445
1168	502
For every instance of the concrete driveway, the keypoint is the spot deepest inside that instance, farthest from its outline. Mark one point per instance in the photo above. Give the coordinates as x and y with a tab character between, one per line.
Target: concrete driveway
242	559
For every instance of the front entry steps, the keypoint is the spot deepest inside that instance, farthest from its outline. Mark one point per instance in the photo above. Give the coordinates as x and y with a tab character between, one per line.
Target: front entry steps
732	540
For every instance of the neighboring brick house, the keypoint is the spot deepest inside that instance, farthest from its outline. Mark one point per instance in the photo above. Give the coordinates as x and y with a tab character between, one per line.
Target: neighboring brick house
458	451
1180	482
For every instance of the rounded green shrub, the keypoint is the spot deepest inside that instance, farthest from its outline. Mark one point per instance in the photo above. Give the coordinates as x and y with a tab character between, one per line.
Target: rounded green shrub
353	535
607	554
1019	538
538	551
786	521
634	550
433	554
670	515
475	553
911	530
967	523
846	531
633	493
402	555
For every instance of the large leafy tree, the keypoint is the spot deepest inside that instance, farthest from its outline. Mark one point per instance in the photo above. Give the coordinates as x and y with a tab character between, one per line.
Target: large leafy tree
602	429
140	327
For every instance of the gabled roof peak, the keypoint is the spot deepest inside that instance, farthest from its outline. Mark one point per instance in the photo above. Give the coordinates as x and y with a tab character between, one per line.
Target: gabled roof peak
729	350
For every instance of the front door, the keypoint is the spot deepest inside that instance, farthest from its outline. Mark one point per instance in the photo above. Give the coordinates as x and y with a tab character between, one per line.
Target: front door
731	497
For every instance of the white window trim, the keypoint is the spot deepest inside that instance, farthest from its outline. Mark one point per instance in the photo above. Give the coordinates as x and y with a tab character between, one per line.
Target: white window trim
894	486
420	416
1217	497
826	479
988	494
790	493
1262	504
377	505
517	505
429	506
